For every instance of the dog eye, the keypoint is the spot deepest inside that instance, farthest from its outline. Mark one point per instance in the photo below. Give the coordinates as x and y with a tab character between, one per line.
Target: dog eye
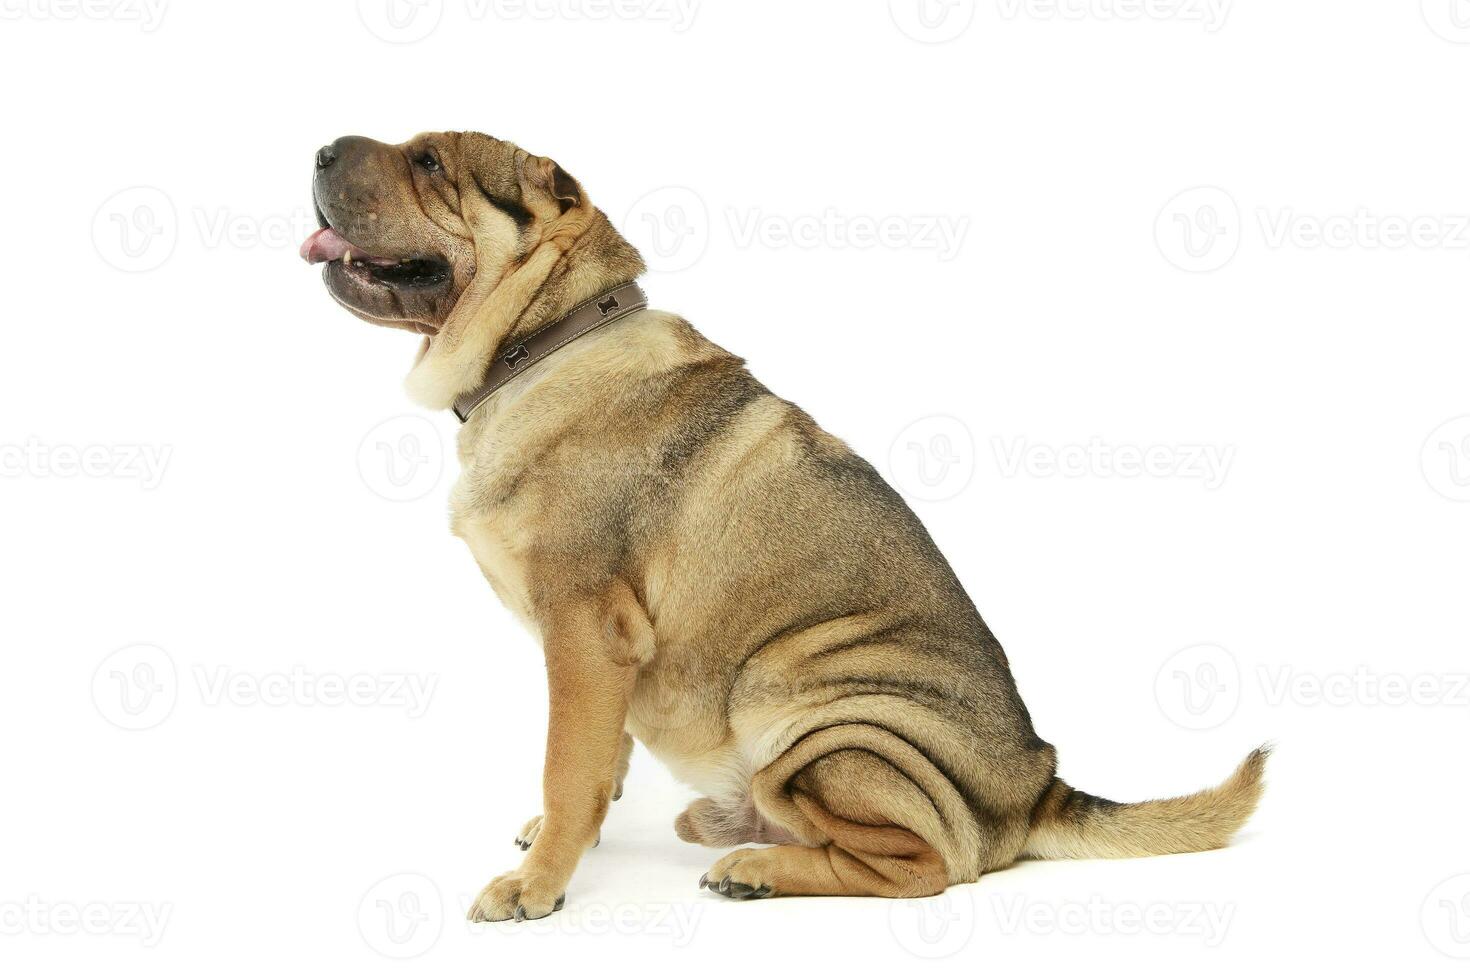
428	162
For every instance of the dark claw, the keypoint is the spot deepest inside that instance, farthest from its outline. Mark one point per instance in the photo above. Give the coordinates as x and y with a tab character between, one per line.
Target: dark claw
617	796
738	890
521	915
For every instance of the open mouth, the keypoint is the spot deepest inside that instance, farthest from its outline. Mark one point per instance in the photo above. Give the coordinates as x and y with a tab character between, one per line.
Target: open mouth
325	245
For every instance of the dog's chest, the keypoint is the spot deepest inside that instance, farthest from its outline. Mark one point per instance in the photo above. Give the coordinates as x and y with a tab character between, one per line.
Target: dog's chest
497	526
499	545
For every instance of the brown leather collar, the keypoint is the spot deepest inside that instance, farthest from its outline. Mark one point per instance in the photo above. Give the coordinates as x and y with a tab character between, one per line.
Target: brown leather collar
612	305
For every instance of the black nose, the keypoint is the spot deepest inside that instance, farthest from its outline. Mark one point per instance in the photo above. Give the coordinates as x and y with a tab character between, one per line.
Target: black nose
325	157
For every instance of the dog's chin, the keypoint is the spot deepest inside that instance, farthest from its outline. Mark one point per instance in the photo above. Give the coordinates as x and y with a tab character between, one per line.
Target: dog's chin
407	288
412	300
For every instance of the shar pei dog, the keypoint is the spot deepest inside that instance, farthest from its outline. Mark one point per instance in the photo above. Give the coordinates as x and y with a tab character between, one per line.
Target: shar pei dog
707	570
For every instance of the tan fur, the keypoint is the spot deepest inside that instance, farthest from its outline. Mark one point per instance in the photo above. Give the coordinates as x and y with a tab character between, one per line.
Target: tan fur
1069	824
711	573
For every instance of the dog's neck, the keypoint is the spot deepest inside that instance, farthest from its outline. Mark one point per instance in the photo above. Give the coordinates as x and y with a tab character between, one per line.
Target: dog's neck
598	260
575	264
603	309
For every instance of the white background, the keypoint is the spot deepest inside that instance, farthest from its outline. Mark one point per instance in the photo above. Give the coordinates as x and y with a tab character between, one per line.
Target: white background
1187	231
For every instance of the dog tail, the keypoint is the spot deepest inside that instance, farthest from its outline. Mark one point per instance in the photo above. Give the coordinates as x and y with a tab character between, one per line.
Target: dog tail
1067	823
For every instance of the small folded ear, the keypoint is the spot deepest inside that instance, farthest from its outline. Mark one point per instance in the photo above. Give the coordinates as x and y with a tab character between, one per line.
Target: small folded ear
556	183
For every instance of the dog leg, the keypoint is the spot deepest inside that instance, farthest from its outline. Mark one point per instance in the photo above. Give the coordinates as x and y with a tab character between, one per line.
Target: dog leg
532	827
593	650
857	804
714	824
892	865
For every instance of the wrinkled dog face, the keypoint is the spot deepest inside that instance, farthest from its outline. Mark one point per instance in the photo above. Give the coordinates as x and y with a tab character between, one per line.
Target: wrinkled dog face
404	228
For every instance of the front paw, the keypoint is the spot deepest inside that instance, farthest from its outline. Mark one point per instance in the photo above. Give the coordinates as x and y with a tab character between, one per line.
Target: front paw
519	895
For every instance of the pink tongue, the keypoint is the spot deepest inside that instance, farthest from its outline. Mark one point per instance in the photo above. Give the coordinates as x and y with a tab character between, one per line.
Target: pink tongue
324	245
